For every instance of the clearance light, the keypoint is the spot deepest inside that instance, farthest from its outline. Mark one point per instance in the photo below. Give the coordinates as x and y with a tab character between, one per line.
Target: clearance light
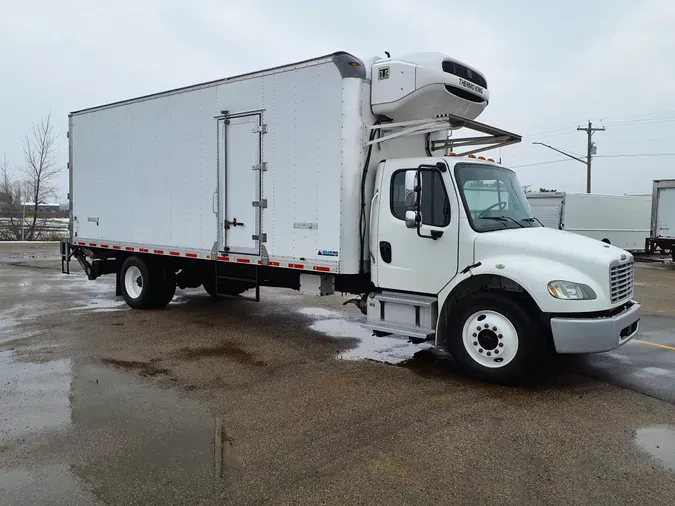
353	64
451	154
490	160
481	158
472	156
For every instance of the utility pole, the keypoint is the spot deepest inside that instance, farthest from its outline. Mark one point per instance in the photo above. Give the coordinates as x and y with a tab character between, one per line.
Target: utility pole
22	196
590	151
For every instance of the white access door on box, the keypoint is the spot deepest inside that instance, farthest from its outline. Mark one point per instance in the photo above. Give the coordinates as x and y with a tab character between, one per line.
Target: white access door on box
665	213
240	173
548	211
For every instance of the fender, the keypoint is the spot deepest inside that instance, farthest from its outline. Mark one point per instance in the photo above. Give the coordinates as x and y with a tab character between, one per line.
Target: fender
533	273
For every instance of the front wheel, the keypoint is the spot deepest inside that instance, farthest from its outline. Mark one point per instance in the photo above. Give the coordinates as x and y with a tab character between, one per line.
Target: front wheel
493	338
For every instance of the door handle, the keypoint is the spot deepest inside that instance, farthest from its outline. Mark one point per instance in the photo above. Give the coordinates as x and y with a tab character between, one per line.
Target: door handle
233	223
385	251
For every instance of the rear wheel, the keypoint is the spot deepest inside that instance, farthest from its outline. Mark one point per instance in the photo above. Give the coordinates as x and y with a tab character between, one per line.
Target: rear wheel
493	338
137	283
226	287
165	287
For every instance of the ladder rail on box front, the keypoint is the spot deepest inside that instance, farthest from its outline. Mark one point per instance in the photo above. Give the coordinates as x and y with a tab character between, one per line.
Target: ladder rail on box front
254	280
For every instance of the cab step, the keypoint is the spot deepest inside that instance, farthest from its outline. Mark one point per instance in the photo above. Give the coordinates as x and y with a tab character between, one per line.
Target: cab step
403	314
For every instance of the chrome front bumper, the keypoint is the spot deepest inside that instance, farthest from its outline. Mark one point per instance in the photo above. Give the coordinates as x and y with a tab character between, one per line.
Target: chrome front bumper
593	335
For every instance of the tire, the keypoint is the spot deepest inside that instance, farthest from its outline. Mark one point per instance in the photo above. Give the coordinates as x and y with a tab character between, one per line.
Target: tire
165	287
492	338
231	288
137	280
210	287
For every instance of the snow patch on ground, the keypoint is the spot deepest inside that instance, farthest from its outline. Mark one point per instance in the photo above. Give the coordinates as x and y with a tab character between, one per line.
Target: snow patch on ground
319	312
389	349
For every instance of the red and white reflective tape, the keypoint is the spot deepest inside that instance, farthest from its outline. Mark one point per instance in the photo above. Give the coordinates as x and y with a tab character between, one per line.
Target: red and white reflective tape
203	256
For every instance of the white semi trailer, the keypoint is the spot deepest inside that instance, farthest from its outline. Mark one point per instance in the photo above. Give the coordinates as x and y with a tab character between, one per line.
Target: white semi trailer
621	220
662	230
338	174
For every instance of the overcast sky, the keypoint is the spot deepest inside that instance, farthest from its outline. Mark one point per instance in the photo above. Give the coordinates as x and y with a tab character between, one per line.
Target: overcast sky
550	66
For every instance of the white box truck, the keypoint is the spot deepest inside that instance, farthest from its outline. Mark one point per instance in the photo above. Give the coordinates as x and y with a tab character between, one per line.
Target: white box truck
621	220
662	225
339	174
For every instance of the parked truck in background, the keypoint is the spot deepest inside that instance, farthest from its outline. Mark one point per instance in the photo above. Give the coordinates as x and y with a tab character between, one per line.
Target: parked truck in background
620	220
662	230
339	174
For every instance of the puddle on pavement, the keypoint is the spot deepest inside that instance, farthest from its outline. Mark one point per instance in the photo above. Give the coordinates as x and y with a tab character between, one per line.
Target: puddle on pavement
128	441
158	442
388	349
33	397
34	300
52	485
659	442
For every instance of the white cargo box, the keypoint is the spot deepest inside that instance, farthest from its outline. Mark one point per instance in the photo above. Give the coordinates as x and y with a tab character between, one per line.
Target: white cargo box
262	167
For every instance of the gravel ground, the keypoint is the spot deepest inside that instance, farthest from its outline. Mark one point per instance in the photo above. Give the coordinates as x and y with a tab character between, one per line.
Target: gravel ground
289	401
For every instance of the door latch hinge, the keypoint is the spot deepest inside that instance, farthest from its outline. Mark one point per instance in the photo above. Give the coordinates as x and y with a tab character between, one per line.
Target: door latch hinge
260	203
260	166
261	237
262	129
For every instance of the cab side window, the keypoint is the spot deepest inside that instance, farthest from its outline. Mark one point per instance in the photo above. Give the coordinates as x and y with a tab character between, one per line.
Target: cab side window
434	204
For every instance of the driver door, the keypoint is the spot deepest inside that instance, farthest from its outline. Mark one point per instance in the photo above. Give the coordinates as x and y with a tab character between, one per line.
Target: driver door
409	259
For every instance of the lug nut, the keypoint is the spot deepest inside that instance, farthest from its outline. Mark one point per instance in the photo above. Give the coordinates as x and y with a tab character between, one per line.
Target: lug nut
488	353
480	350
475	343
475	335
499	336
501	345
486	326
496	352
494	329
477	328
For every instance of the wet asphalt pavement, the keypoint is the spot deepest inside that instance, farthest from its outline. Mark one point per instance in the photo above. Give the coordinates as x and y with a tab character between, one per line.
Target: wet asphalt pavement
291	401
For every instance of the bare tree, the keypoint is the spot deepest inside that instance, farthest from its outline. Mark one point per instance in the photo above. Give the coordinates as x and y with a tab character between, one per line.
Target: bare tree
10	204
40	168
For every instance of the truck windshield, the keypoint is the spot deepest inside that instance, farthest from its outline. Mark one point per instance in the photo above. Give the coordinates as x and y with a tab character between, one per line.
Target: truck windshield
493	197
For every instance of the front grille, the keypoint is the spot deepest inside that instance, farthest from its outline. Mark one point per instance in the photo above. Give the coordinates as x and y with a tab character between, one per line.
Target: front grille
621	280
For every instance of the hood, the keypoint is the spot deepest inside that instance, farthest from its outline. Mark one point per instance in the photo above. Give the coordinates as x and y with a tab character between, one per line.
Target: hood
548	243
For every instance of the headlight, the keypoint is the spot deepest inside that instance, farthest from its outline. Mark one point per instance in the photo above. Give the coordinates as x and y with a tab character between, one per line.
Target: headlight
570	291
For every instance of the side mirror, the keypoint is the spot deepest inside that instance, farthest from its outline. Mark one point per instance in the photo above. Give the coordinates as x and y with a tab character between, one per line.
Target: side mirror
412	219
412	189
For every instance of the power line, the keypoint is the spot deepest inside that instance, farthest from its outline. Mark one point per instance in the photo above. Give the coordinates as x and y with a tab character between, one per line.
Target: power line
647	121
635	154
539	163
617	121
597	156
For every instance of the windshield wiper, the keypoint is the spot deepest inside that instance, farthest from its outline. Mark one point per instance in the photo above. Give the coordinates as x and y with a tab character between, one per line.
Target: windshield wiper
503	219
497	218
532	220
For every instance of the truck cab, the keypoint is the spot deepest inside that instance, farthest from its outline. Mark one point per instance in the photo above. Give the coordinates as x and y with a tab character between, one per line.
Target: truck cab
457	256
